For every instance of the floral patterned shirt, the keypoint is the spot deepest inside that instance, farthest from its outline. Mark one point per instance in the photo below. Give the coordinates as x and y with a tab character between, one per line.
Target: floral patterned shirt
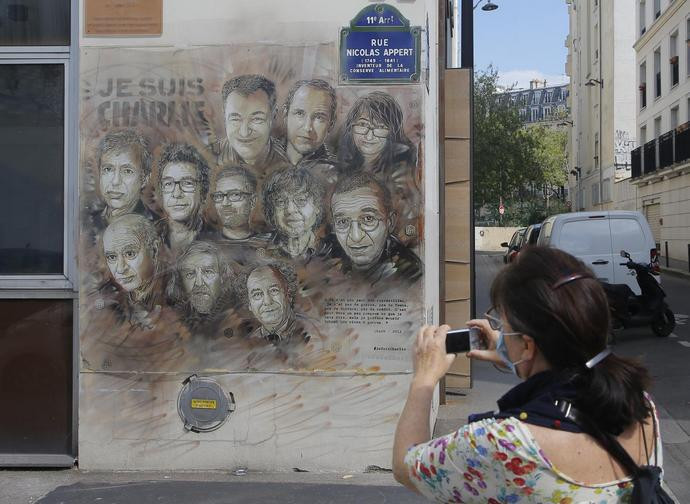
498	461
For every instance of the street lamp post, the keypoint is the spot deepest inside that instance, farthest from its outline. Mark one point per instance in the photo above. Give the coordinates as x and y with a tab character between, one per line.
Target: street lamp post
489	6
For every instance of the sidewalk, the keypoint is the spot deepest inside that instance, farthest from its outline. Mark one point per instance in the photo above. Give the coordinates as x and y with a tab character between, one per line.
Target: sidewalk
72	486
676	272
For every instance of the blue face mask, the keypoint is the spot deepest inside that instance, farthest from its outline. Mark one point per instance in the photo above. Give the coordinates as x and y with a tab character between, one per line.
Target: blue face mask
502	351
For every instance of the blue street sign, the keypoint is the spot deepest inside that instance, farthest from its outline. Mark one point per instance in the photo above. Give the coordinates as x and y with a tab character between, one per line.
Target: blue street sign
379	46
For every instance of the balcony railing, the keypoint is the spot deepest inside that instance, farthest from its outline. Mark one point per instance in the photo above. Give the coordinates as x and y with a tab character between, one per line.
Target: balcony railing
649	157
671	148
636	162
666	150
682	145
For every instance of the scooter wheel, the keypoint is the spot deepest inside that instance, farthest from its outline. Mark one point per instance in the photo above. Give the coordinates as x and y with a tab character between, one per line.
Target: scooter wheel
664	325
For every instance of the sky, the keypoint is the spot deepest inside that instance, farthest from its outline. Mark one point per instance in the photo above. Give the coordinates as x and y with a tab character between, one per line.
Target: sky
523	40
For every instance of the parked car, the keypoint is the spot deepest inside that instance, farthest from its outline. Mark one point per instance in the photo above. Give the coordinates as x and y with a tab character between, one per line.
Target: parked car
513	247
531	235
597	238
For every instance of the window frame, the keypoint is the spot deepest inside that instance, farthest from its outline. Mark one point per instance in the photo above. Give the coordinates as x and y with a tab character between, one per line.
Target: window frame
66	56
658	74
65	285
673	52
674	108
687	47
643	84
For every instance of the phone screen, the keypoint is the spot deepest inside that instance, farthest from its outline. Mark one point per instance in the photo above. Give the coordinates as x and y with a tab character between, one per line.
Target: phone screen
464	340
458	341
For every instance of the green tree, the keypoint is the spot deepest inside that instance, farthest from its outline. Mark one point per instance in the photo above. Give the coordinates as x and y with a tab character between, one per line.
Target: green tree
523	167
503	148
551	159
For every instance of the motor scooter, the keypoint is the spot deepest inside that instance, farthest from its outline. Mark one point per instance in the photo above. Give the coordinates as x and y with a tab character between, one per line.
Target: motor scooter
647	309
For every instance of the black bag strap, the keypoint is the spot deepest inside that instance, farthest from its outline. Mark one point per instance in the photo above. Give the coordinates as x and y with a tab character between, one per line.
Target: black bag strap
611	445
646	478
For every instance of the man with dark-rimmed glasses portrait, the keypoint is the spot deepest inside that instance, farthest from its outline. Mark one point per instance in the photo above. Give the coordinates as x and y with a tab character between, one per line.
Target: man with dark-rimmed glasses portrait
363	220
183	183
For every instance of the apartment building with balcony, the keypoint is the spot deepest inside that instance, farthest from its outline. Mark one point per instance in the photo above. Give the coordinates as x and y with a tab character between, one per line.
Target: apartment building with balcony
661	163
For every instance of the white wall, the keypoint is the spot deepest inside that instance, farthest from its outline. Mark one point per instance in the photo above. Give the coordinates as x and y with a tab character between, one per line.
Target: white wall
318	421
673	194
625	92
489	239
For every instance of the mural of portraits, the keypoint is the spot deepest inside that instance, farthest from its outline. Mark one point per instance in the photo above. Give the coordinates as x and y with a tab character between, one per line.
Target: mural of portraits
240	214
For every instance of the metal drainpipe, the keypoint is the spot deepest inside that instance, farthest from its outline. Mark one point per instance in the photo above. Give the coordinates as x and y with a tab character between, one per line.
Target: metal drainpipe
601	109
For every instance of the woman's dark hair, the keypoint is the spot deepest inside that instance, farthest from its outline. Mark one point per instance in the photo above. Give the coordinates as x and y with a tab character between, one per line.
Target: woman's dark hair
289	181
382	108
569	324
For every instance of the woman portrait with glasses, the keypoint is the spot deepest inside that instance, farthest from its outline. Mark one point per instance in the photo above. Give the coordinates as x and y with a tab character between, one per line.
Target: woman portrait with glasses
374	141
373	138
293	205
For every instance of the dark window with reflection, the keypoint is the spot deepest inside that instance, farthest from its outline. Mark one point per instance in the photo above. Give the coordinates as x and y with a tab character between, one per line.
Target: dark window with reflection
32	167
35	22
36	376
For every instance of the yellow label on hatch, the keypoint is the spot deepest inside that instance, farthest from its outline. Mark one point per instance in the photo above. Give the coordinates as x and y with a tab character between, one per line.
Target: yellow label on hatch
204	404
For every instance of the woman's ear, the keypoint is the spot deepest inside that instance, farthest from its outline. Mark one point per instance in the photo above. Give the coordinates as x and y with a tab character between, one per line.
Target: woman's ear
529	349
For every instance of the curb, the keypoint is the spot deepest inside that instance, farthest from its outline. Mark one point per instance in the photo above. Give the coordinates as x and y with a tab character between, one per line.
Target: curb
676	272
665	486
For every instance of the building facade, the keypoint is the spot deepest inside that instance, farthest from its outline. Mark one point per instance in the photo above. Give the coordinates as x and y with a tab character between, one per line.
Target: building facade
601	66
661	163
540	105
173	290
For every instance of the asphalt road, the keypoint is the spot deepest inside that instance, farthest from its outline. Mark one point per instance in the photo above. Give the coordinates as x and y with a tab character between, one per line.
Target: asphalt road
667	359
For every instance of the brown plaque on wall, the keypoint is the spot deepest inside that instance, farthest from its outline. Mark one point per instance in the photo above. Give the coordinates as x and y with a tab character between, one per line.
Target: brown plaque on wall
123	17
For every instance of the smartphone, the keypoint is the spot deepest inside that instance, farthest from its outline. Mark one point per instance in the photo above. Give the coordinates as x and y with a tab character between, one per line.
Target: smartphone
464	340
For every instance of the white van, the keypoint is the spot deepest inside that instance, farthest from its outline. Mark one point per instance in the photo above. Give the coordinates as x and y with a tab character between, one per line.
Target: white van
597	238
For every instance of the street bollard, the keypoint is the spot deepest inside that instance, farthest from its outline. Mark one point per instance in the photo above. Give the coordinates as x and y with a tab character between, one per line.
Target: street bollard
666	252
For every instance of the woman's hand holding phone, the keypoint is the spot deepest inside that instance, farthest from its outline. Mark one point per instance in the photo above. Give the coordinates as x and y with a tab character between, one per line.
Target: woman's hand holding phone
431	362
489	338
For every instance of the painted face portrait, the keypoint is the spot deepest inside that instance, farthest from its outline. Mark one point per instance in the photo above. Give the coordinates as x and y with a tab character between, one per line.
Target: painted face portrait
361	226
201	279
295	214
121	179
233	201
248	123
131	264
181	191
268	300
370	137
308	119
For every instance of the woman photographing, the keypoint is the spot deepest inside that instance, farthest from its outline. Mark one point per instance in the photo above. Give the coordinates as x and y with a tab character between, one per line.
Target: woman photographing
579	428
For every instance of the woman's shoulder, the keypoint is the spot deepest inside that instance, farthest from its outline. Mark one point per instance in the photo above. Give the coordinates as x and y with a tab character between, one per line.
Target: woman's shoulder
498	460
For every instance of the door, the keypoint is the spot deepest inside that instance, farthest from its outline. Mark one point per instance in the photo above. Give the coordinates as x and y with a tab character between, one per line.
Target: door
653	215
628	235
590	241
